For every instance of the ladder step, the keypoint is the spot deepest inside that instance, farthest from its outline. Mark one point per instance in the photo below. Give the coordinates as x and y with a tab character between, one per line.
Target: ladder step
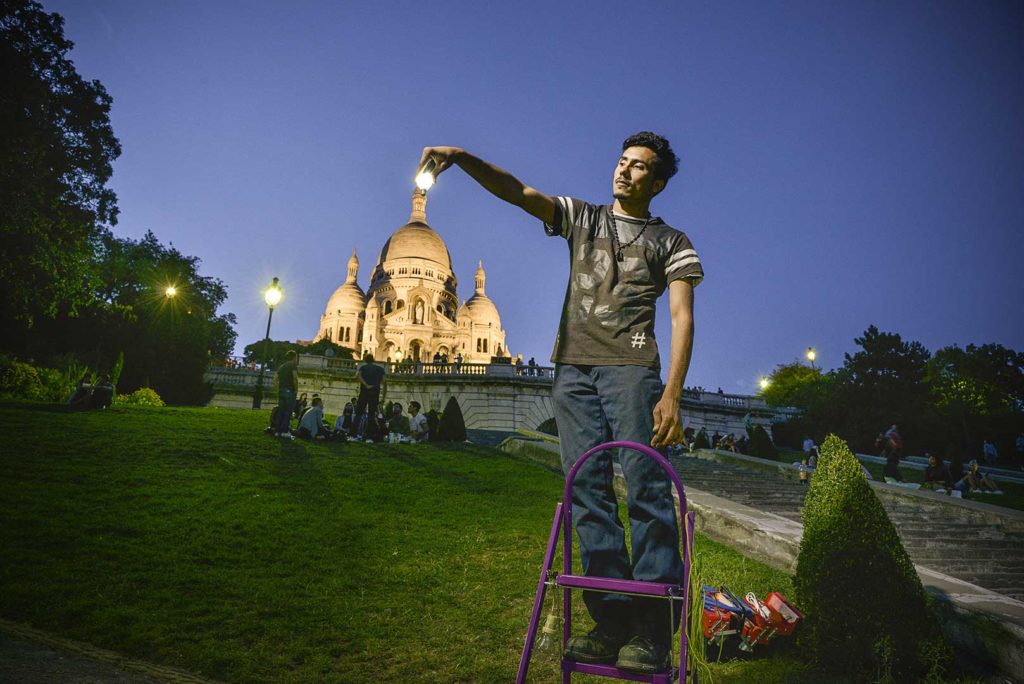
615	673
620	586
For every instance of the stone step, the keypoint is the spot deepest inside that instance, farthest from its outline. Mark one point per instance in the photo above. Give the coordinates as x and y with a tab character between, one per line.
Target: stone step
972	546
980	565
918	527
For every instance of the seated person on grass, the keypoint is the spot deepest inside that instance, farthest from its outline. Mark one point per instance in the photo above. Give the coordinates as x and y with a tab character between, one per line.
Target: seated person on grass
936	475
398	424
419	430
344	422
977	481
78	398
312	425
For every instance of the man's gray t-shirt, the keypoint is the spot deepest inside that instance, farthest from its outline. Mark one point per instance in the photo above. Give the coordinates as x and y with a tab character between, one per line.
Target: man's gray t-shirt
608	314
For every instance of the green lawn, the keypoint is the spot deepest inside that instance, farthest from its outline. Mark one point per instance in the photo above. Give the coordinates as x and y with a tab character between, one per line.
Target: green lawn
188	538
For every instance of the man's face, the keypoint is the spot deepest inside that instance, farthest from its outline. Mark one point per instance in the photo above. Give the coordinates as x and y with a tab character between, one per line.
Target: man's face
634	175
414	409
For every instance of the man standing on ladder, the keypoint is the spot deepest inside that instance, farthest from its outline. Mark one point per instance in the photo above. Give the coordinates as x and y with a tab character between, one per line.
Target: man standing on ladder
608	385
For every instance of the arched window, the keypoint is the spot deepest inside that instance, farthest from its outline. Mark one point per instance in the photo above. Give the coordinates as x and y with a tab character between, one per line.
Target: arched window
329	331
485	346
401	304
387	307
479	344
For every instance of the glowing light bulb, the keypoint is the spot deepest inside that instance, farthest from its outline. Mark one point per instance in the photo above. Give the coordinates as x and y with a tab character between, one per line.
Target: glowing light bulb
273	294
425	178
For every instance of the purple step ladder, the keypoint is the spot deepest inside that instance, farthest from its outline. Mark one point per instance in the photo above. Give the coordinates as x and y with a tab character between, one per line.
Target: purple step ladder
561	526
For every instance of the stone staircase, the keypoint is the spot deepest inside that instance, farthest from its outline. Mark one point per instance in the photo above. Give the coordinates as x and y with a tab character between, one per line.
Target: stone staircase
939	535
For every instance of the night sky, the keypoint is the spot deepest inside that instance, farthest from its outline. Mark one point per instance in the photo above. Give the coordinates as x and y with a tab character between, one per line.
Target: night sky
843	164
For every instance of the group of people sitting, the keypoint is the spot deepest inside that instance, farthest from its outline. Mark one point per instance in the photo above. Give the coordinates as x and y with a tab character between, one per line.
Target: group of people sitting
954	477
398	427
87	396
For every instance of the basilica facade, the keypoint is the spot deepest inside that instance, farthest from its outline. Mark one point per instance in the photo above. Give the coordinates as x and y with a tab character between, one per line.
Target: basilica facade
411	308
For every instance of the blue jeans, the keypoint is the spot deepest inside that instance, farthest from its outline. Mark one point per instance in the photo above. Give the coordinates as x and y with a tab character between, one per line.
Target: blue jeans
285	406
595	404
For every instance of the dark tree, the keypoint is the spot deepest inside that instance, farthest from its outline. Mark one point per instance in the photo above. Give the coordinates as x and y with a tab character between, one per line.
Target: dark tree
167	341
880	385
56	151
979	392
276	349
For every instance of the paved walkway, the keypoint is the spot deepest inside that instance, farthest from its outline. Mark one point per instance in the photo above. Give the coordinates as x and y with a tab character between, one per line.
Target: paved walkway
31	656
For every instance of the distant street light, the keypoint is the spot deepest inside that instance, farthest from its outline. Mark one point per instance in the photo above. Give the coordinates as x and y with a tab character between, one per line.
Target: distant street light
272	297
811	355
765	382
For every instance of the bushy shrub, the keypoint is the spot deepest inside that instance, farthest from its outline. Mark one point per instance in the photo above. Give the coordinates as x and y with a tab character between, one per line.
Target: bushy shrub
453	426
548	427
433	423
144	396
761	444
867	614
701	441
20	380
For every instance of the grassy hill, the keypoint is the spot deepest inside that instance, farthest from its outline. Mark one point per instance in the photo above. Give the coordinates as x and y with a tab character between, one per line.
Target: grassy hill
188	538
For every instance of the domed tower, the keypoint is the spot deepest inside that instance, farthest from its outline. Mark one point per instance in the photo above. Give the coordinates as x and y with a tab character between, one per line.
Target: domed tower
342	320
412	293
480	332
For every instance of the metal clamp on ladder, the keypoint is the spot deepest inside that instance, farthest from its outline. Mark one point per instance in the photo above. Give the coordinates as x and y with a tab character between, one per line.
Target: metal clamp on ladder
561	527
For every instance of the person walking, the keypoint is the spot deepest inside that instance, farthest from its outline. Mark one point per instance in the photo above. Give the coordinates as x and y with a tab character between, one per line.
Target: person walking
607	382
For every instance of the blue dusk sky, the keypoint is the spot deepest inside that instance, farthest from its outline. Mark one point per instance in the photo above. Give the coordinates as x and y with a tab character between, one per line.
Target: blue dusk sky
843	163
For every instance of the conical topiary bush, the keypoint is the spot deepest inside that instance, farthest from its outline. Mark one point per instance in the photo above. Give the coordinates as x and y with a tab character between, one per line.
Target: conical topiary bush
452	427
867	614
761	444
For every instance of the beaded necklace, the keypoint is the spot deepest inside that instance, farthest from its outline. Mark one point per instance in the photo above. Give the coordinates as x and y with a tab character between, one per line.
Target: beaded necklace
617	245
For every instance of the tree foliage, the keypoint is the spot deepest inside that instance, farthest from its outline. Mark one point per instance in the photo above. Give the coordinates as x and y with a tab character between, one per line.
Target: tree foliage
796	385
56	156
867	614
167	342
276	349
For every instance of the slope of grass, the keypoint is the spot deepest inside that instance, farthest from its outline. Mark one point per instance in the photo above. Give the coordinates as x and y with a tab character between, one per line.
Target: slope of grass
186	537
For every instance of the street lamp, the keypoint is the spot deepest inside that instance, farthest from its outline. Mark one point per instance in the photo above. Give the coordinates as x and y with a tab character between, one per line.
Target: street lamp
272	297
811	355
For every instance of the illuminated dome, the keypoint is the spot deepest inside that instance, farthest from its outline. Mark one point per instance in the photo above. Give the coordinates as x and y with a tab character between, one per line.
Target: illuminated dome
480	307
417	240
349	297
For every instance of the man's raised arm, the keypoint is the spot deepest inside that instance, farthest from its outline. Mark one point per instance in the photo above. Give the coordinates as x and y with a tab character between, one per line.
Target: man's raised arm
498	182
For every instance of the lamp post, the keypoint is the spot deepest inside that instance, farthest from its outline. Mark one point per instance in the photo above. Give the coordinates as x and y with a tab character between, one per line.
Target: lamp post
272	296
811	355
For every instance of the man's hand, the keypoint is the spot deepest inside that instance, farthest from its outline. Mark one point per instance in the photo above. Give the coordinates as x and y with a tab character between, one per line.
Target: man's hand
667	427
443	158
496	181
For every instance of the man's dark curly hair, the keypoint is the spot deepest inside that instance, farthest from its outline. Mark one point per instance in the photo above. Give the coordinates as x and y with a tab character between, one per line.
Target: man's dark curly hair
667	164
